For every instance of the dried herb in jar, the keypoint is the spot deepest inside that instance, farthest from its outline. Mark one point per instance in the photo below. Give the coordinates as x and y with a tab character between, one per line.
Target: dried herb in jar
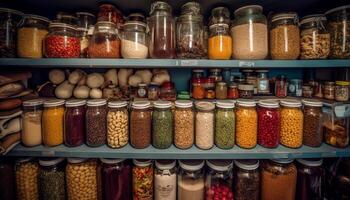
162	127
52	185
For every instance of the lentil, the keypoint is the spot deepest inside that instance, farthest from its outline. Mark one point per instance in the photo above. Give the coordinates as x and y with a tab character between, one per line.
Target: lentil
269	120
291	124
246	124
140	125
27	179
52	122
96	122
31	122
142	180
117	124
110	49
183	124
225	125
312	135
57	46
204	125
162	125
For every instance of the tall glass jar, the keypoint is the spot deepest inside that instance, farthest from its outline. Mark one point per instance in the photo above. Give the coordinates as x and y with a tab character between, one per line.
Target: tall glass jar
161	31
117	124
249	33
115	179
281	86
52	179
141	124
285	36
204	124
219	180
190	180
27	170
134	41
162	125
74	123
52	122
292	120
183	124
62	41
225	122
313	130
31	122
142	180
31	35
246	180
7	181
96	122
165	180
246	124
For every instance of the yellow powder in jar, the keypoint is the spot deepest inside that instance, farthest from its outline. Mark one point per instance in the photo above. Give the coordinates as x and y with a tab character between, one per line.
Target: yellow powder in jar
30	42
52	123
220	47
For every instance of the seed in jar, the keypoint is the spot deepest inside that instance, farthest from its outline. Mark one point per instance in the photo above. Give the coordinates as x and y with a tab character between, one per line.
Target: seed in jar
117	128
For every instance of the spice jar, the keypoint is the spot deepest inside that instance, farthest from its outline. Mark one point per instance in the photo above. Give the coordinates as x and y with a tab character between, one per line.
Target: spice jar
232	91
140	124
117	124
278	180
142	90
246	124
209	86
204	124
168	91
162	125
96	122
246	180
153	91
51	179
246	91
329	90
225	122
215	74
7	181
31	35
219	177
85	19
165	180
142	179
262	82
74	123
281	86
161	31
312	135
183	124
221	90
294	88
249	33
62	41
27	170
115	179
291	123
190	180
307	91
342	90
285	36
110	13
31	122
84	42
52	122
134	40
198	90
269	120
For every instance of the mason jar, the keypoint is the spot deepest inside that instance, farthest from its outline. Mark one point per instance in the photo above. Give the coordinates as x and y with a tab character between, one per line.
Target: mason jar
53	122
31	134
27	170
183	124
269	121
117	124
190	180
204	125
96	122
225	124
162	125
165	180
219	179
246	124
220	42
313	128
142	179
140	124
134	41
246	180
74	123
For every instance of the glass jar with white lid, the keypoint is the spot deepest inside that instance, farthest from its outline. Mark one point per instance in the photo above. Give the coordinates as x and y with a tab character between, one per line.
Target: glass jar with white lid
190	180
31	122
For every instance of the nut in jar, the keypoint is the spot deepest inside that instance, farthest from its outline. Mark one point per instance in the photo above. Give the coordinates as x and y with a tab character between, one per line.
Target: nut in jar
117	124
27	179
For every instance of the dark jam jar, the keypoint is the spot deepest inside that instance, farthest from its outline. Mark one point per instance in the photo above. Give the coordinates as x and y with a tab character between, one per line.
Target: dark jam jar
96	122
7	184
246	180
74	123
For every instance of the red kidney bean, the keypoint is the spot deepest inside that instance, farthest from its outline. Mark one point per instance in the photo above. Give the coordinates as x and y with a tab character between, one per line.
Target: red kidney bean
269	120
57	46
219	191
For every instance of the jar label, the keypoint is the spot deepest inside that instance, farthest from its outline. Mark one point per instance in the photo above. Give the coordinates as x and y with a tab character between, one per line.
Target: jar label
246	64
164	191
141	92
188	63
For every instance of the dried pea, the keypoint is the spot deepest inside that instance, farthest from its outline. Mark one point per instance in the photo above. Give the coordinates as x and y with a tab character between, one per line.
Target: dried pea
225	125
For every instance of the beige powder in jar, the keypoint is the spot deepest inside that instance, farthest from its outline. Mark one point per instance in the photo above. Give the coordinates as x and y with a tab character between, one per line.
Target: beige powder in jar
131	49
31	130
190	189
285	42
204	125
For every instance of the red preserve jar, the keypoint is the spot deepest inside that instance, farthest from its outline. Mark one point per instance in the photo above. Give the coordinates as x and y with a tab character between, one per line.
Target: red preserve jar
269	120
281	86
110	13
74	123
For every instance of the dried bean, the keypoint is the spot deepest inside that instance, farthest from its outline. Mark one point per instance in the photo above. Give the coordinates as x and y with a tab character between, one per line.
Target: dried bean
246	127
96	127
291	127
62	47
117	128
27	181
312	135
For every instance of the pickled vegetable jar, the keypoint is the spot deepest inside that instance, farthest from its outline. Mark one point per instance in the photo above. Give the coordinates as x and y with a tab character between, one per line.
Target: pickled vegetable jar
27	170
140	124
312	135
74	123
134	40
31	122
183	124
7	181
225	125
204	125
246	124
165	180
219	180
162	125
190	180
142	180
52	122
117	124
96	122
246	180
269	122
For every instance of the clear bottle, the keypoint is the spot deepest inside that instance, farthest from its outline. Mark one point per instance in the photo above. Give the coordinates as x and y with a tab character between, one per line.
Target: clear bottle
204	125
190	180
142	179
246	180
269	120
117	124
183	124
31	134
263	84
134	40
219	180
53	122
225	122
74	123
313	129
96	122
246	124
140	124
27	170
162	125
165	180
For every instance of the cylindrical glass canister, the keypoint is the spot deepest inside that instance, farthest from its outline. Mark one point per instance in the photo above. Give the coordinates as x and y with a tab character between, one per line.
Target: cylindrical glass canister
74	123
140	124
269	121
52	122
31	134
96	122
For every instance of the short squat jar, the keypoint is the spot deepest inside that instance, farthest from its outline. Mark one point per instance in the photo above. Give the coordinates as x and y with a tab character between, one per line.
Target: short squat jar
74	123
53	122
246	180
117	124
246	124
31	122
140	124
219	180
96	122
134	40
342	90
204	125
269	120
312	135
162	125
165	180
183	124
225	124
190	180
27	170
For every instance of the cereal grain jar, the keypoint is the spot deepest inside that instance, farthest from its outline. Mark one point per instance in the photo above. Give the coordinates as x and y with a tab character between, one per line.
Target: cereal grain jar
184	124
246	124
162	125
291	123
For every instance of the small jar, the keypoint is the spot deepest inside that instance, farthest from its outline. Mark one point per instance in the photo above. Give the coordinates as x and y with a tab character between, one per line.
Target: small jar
190	180
140	124
168	91
62	41
142	90
312	135
219	180
183	124
215	74
134	40
96	122
27	170
209	86
329	90
197	73
263	84
117	124
281	86
295	88
204	125
246	124
246	180
7	181
232	91
246	91
51	179
198	90
108	12
307	91
153	91
225	122
85	19
162	125
142	179
84	42
221	90
165	180
220	42
31	122
53	122
342	90
74	123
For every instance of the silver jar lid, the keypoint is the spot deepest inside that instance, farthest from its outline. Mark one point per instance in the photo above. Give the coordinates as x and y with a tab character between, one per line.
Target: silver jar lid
247	164
220	165
191	165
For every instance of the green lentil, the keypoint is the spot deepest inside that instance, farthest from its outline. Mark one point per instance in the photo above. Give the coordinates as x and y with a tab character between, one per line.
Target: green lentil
224	128
52	185
162	128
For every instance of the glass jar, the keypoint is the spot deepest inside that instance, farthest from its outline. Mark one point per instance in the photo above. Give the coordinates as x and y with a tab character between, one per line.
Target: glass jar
232	91
168	91
190	180
74	123
198	90
142	179
165	180
204	124
278	180
9	21
183	124
197	73
63	17
338	26
142	90
310	182
134	40
307	91
84	42
105	42
52	122
117	124
246	91
329	90
246	180
269	120
246	124
225	124
312	135
153	91
62	41
31	122
220	42
140	124
52	179
294	88
96	122
115	179
263	85
209	86
30	36
285	36
215	74
81	178
110	13
314	37
27	170
291	124
281	86
85	19
7	181
162	125
249	33
219	177
162	31
221	90
342	90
